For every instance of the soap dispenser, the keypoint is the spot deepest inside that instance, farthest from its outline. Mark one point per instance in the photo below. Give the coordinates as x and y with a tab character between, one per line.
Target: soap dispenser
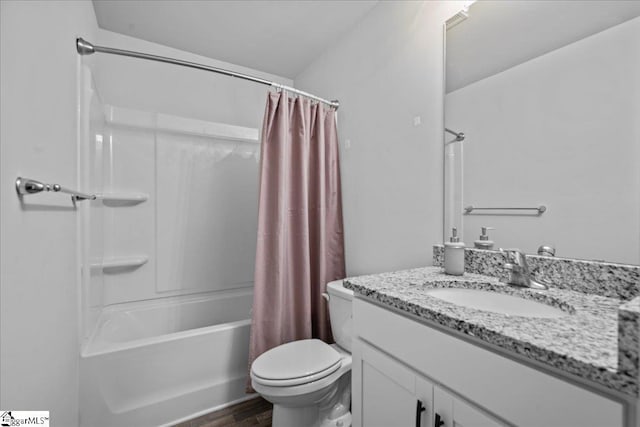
454	255
483	242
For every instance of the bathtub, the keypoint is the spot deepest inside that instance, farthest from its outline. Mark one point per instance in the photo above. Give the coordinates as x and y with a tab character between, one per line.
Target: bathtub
160	362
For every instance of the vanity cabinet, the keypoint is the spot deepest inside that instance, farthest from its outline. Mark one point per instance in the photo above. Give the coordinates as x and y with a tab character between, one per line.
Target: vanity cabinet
453	412
400	363
393	395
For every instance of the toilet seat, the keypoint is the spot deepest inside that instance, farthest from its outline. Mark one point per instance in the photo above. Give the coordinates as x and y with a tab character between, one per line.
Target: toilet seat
296	363
299	380
295	391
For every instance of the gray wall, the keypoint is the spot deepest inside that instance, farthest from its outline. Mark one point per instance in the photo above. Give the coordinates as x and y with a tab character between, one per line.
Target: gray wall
386	73
39	297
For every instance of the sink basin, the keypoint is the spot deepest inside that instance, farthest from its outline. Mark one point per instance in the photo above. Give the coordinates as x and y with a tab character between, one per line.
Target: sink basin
496	302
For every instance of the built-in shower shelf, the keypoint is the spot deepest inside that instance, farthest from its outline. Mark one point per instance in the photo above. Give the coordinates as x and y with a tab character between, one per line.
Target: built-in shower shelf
118	263
123	198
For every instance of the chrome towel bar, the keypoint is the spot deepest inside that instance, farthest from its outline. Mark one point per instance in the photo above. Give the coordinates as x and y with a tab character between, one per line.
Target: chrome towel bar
541	209
31	186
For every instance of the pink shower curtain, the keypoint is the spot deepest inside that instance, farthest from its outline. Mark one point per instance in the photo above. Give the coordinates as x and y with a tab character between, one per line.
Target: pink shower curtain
300	235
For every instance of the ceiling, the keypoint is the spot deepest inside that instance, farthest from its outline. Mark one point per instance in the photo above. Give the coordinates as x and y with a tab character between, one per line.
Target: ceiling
279	37
499	34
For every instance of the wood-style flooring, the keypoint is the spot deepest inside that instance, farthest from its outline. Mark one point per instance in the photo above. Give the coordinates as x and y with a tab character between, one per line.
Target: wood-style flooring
255	413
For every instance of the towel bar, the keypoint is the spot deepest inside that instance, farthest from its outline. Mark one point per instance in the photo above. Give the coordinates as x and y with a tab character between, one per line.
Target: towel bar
31	186
541	209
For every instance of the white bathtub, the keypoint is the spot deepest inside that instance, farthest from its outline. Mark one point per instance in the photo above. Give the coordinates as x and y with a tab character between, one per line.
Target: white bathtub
155	363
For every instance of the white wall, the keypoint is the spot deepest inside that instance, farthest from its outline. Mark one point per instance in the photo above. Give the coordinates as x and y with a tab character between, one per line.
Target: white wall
559	130
386	72
39	294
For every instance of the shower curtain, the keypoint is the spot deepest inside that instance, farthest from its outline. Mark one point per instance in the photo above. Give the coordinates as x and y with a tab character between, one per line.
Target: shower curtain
300	233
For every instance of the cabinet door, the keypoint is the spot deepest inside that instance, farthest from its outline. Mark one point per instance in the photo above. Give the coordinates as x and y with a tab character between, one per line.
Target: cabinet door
388	393
452	412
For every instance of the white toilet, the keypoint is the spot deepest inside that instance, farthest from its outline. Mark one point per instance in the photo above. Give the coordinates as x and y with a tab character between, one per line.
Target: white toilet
309	381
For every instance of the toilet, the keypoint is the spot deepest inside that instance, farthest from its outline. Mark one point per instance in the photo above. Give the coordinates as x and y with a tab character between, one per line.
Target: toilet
309	381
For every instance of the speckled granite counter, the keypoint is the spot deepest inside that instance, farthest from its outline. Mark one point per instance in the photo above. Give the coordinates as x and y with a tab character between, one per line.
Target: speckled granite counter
589	341
592	277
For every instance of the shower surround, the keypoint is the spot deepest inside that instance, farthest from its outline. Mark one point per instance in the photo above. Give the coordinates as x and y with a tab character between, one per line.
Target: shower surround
167	255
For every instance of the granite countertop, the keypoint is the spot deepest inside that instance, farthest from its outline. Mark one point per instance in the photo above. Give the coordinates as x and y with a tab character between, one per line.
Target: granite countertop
596	340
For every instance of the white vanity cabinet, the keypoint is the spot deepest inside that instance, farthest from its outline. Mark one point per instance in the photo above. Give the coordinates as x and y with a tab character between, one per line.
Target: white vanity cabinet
453	412
398	362
390	394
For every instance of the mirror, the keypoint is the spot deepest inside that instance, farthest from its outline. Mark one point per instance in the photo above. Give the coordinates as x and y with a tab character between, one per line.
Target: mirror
548	97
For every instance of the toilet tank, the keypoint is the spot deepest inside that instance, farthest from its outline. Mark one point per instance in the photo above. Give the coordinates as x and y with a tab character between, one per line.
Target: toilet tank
340	313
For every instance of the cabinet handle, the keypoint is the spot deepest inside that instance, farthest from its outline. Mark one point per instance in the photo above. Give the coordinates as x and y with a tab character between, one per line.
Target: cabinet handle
439	421
419	410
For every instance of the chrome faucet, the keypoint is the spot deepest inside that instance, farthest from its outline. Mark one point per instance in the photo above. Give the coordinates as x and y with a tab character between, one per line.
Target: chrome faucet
519	274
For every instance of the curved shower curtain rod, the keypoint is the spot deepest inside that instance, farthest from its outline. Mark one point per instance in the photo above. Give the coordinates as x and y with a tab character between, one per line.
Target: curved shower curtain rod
86	48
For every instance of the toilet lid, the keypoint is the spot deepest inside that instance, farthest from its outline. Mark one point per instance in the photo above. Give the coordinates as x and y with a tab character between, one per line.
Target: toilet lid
296	362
